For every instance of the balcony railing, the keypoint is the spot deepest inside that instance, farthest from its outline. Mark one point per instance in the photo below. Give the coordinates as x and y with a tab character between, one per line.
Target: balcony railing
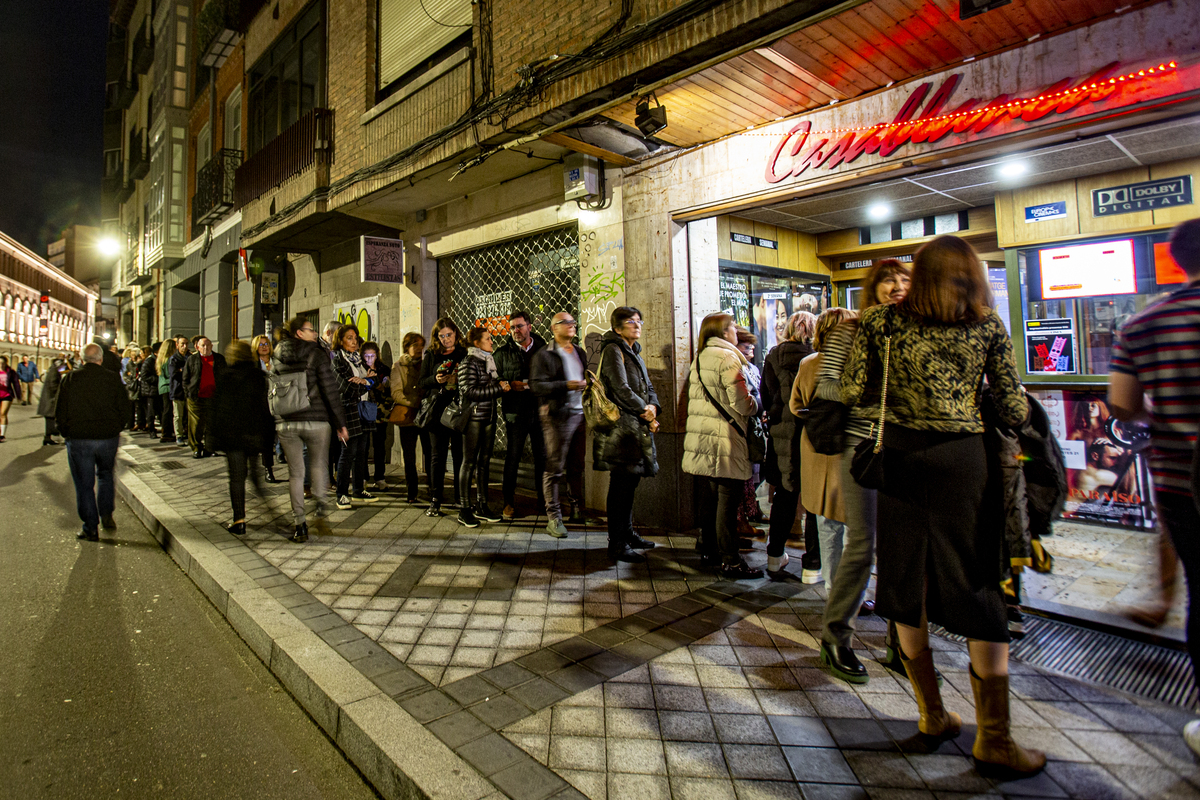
121	94
309	141
139	158
214	195
143	49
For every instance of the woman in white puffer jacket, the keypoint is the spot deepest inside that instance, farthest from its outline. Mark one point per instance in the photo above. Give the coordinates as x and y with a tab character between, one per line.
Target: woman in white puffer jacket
713	449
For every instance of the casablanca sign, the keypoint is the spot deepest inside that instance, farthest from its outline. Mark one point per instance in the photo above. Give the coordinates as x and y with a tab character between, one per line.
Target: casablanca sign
927	117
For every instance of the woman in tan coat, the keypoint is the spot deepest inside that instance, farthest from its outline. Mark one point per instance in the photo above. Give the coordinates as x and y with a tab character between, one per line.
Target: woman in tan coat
406	392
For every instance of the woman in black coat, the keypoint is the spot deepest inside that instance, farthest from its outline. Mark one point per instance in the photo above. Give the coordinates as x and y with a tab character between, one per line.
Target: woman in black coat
626	451
48	404
479	386
242	424
381	395
439	379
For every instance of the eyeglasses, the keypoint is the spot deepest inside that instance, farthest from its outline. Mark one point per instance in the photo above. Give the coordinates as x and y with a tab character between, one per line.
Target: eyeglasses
568	322
634	323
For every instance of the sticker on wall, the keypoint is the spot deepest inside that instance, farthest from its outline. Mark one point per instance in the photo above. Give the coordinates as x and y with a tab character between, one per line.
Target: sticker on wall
1050	346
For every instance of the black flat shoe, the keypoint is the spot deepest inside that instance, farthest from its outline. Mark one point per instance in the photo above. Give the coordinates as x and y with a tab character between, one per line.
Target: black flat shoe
626	554
486	514
638	543
237	528
434	510
271	476
300	535
88	536
843	663
108	523
867	608
740	571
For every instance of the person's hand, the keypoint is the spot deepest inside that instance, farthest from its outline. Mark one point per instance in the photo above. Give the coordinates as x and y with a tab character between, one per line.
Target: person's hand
654	425
576	385
649	414
343	434
442	378
505	385
519	386
371	373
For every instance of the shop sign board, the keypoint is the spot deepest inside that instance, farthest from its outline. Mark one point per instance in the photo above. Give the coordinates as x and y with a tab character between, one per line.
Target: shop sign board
1142	196
363	314
1108	479
1050	346
769	244
492	310
381	260
1046	211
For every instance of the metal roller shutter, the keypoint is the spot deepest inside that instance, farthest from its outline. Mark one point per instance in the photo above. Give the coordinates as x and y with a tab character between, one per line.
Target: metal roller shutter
410	31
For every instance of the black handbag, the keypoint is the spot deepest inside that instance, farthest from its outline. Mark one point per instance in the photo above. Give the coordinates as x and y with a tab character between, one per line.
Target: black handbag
425	415
755	433
825	423
455	415
867	465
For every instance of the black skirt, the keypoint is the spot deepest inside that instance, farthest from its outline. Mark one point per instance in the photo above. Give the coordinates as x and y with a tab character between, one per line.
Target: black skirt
940	534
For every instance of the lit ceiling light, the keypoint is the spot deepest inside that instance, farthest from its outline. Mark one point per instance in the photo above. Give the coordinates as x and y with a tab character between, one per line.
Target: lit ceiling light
1014	169
109	246
879	211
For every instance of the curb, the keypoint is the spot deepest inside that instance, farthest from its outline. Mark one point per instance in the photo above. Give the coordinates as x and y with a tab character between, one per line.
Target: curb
393	751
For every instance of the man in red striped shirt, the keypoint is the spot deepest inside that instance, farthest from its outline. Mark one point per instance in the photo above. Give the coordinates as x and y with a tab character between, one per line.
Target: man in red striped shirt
1156	371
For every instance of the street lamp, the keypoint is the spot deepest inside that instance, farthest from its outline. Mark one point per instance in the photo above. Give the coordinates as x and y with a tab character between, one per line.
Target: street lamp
108	246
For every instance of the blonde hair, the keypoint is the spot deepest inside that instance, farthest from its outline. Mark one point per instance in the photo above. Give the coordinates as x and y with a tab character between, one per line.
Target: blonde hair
830	318
237	351
801	327
131	350
165	351
256	341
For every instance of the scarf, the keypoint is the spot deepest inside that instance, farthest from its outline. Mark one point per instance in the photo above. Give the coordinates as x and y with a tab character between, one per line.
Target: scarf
486	358
356	366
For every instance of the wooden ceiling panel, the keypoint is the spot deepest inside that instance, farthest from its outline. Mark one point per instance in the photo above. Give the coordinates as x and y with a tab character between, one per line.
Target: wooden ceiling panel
806	53
911	33
807	85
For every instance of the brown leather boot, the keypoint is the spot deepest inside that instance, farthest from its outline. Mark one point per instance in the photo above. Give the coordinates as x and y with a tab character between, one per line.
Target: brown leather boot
996	754
935	719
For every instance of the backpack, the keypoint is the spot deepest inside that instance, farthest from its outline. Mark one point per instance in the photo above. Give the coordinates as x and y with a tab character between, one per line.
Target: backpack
287	390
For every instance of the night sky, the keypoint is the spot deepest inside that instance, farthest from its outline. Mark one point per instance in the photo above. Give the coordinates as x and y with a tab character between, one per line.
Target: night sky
52	106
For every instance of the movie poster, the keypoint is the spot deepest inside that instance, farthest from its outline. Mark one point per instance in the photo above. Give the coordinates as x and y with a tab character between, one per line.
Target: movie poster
772	305
734	297
1108	478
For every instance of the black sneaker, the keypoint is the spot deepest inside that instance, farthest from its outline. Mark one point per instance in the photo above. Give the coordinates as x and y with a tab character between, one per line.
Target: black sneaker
434	510
486	514
638	543
626	554
300	535
365	497
467	518
740	571
88	536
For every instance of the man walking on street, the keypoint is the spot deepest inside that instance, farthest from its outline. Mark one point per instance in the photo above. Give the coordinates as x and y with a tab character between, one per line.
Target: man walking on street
558	380
199	381
28	373
178	393
1157	356
92	409
513	363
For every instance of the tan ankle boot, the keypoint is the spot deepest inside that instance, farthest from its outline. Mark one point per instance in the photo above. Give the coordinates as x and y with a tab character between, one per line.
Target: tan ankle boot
935	719
996	754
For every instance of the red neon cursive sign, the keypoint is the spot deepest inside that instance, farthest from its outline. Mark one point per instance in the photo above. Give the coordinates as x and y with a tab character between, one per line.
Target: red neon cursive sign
933	124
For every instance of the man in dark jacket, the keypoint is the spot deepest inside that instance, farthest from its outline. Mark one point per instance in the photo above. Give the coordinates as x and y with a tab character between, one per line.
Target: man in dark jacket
558	381
178	394
199	383
520	407
92	409
27	371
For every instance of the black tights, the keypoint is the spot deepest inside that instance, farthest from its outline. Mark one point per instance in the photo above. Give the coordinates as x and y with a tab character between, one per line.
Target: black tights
442	439
240	464
409	436
479	440
621	488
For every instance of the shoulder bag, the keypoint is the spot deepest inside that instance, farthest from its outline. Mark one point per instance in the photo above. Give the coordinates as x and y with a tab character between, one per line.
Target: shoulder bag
867	465
755	433
600	413
455	415
287	391
825	423
426	413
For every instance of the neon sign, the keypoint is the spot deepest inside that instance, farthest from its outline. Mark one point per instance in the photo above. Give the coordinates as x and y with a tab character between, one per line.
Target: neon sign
971	116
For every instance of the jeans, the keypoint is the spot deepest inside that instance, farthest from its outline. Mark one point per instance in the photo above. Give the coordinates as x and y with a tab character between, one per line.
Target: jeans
240	464
182	432
621	488
92	462
561	434
718	520
152	409
442	439
353	458
1181	520
853	569
198	424
518	428
479	441
832	536
377	438
409	435
295	437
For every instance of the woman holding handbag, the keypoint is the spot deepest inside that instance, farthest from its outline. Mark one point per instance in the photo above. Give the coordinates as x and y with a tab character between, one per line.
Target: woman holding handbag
406	394
355	380
439	382
479	385
720	405
941	518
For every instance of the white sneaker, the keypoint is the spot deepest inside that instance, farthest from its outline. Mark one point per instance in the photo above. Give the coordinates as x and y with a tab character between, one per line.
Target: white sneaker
343	502
381	485
777	564
810	576
1191	735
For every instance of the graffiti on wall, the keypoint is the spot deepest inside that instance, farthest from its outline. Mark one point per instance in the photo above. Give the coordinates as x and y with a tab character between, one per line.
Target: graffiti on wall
601	280
363	314
492	310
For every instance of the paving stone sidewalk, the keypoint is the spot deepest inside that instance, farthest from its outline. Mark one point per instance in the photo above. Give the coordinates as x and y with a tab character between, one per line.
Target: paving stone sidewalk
554	673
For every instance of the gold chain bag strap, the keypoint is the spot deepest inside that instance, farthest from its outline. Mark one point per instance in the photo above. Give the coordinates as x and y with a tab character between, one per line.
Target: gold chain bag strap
867	465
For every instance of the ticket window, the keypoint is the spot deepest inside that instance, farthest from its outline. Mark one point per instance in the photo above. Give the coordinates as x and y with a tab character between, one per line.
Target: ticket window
1076	296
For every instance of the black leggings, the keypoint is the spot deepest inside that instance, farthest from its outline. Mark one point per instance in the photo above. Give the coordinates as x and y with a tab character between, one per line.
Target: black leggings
621	488
442	439
1180	520
409	436
239	466
352	460
783	517
479	440
718	520
377	439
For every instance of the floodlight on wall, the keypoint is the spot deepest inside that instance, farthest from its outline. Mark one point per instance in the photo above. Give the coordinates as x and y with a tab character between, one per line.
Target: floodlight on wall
650	120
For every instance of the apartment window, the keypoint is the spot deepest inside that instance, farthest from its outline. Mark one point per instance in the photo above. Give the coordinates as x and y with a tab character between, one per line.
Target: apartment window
233	121
410	34
288	81
203	148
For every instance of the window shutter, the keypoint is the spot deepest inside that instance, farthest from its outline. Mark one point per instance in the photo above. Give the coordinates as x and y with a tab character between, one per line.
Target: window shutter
410	31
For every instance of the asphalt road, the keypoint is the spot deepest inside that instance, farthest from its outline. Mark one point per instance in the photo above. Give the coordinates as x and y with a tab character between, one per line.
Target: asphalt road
117	677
